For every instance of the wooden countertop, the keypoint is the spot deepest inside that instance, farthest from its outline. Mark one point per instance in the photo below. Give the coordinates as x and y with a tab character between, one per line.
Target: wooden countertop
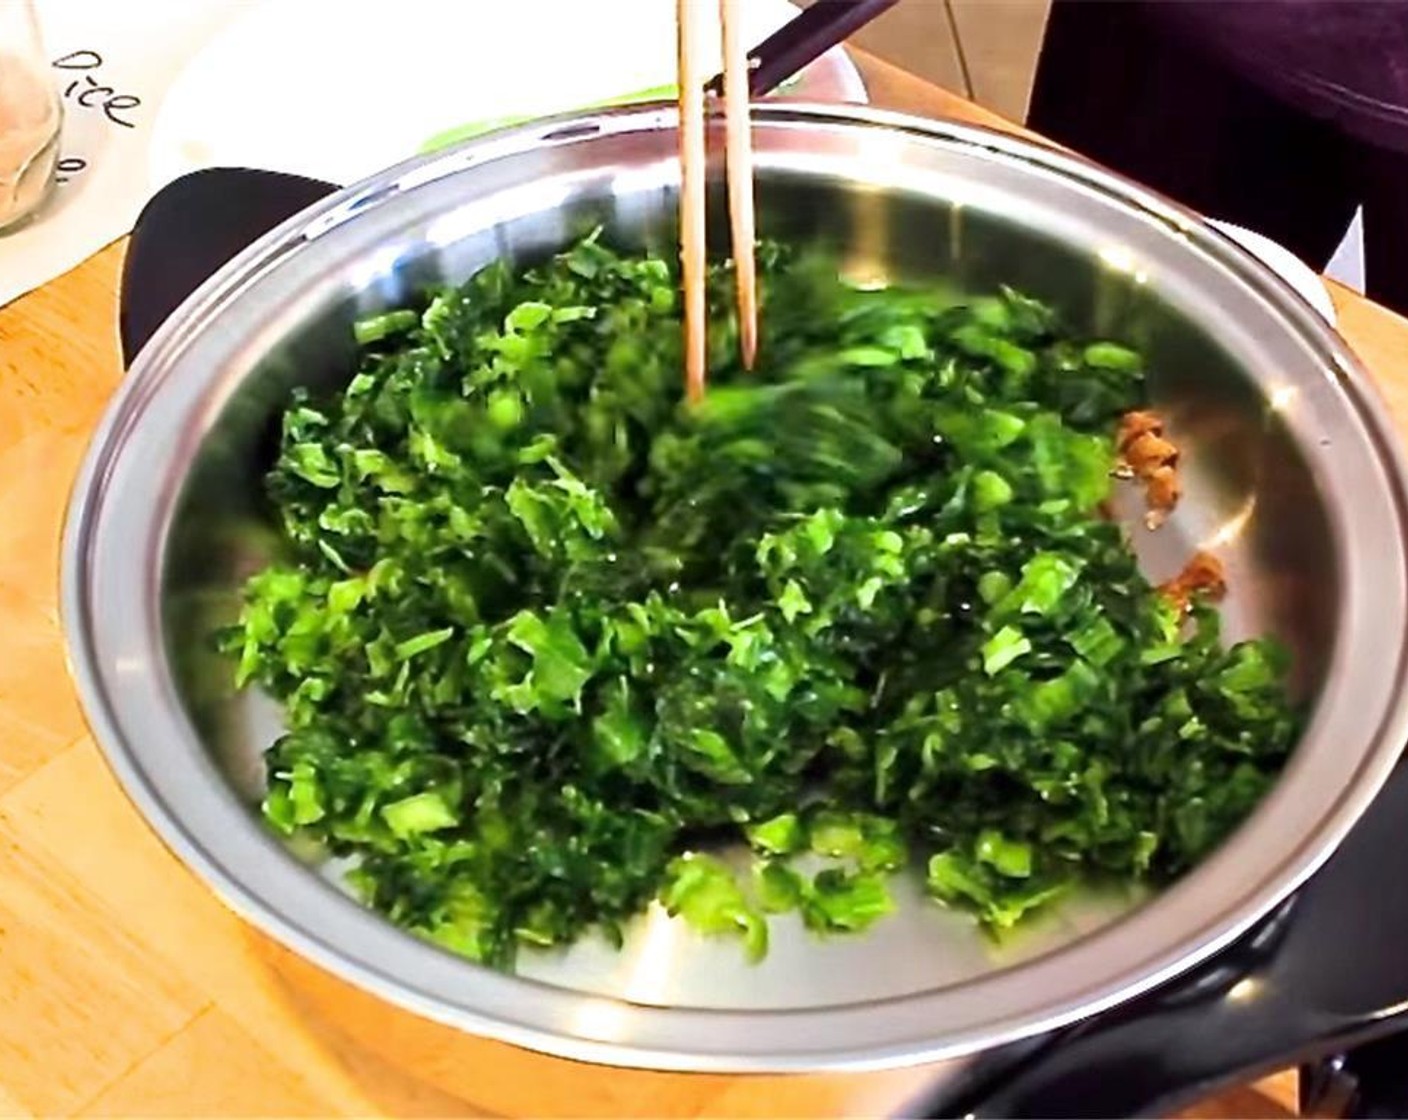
125	988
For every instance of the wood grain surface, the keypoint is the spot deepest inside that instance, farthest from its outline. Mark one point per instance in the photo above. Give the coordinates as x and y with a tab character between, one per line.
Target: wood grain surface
127	990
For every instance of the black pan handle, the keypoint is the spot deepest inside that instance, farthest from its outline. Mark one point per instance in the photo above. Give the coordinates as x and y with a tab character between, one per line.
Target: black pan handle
189	229
1326	973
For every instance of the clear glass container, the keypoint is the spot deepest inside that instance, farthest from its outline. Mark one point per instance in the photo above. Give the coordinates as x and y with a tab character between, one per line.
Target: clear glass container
30	115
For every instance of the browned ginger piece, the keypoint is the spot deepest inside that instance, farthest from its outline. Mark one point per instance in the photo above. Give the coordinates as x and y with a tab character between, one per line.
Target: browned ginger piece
1202	577
1153	459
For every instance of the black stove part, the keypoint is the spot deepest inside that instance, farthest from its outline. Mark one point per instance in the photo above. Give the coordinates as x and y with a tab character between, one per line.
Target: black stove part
993	1077
1370	1082
189	229
1327	1089
1327	972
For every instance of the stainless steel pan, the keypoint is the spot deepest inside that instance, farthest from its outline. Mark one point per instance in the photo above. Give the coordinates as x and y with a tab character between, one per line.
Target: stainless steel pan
1293	476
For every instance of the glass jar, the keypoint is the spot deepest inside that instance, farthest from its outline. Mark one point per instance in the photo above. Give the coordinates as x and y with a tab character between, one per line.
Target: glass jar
30	115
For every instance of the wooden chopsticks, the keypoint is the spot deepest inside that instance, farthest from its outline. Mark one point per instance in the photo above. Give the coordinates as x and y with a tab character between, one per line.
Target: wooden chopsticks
739	165
693	168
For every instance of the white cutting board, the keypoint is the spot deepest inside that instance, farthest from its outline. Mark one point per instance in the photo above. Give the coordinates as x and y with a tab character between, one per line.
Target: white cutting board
337	91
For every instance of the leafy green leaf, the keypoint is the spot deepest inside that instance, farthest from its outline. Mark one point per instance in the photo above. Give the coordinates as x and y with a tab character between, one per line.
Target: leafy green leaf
1003	648
783	835
423	812
704	892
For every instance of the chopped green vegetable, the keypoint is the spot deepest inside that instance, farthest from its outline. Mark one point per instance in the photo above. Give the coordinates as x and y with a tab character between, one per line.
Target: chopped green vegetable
543	629
781	836
367	331
1007	857
841	900
705	892
1003	648
421	812
778	887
